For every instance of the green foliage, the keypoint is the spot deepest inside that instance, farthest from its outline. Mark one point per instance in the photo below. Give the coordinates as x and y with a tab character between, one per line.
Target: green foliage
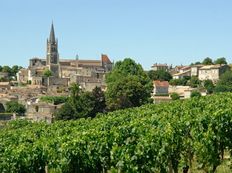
159	75
127	85
175	96
209	86
176	82
54	99
194	82
220	61
99	99
225	82
152	138
81	104
6	69
207	61
47	73
15	107
11	72
196	63
195	94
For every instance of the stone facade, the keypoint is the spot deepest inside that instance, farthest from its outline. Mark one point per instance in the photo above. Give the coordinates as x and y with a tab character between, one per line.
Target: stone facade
157	67
41	111
195	70
212	72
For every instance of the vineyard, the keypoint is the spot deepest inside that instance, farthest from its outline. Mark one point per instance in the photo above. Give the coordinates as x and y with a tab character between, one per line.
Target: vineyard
152	138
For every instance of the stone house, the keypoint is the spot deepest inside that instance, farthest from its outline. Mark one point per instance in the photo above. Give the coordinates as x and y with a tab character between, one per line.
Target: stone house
195	69
22	75
160	87
212	72
181	75
157	67
41	111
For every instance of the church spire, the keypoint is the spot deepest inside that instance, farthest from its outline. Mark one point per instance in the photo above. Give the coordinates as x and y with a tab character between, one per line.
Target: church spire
52	35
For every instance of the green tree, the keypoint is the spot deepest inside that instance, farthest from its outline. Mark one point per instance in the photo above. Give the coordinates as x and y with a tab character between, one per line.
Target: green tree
207	61
225	82
99	100
79	105
0	68
194	82
127	85
6	69
209	86
66	112
196	63
176	82
175	96
195	94
15	69
220	61
15	107
47	73
159	75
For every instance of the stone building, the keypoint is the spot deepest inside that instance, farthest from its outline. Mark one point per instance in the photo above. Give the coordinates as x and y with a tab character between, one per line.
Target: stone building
88	73
157	67
212	72
160	87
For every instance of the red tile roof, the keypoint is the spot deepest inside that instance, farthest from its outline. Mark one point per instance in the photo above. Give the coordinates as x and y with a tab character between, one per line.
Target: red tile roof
159	83
105	59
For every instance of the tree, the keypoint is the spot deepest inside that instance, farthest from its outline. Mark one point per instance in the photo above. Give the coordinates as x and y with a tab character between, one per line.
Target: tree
225	82
175	96
175	82
6	69
79	105
207	61
66	112
47	73
15	107
127	85
15	69
209	86
99	100
196	63
159	75
195	94
220	61
194	82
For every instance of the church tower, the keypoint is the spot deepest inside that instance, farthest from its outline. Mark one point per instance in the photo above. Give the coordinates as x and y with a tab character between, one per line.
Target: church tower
52	54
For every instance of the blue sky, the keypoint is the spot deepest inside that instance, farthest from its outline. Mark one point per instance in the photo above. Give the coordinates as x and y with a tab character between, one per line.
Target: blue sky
149	31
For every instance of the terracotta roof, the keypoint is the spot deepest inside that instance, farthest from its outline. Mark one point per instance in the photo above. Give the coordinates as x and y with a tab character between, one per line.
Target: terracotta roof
161	83
105	58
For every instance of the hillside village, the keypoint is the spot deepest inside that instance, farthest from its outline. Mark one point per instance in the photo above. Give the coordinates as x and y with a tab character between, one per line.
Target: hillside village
53	76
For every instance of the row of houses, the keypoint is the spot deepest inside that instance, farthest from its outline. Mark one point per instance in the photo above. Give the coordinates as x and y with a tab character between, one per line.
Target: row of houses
203	72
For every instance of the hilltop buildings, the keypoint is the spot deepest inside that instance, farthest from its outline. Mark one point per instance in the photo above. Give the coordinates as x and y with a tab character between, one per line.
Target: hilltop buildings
87	73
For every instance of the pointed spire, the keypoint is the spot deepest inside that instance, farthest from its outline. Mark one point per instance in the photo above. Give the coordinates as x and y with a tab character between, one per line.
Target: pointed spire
52	35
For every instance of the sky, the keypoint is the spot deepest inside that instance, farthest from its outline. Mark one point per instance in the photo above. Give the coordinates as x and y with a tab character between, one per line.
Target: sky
149	31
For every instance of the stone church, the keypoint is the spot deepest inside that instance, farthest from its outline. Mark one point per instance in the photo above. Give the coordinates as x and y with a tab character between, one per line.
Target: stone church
87	73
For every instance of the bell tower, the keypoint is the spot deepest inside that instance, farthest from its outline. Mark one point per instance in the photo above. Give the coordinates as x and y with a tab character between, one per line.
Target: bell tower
52	54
